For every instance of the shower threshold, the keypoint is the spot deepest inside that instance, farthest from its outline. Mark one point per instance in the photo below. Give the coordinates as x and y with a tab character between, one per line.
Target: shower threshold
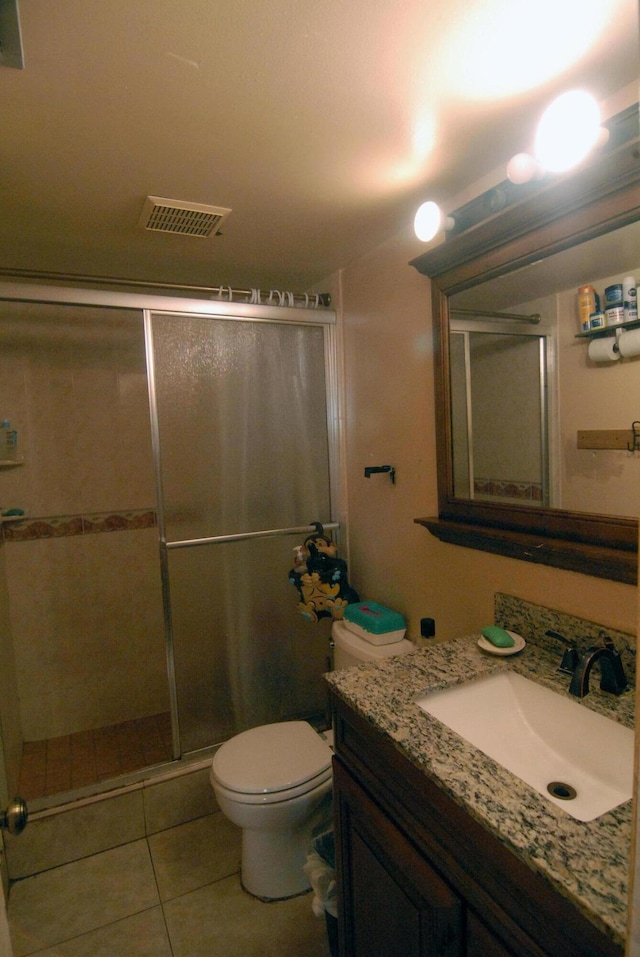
77	761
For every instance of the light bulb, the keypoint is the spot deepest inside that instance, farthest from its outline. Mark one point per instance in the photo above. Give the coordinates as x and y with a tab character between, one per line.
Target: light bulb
568	130
429	220
521	168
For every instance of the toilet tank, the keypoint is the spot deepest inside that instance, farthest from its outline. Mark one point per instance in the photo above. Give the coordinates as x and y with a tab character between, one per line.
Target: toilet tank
349	649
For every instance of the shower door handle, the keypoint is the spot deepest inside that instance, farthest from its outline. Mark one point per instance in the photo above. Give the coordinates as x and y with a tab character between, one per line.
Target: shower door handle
14	819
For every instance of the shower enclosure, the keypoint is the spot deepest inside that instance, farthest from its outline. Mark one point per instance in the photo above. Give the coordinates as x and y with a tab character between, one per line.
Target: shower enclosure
171	455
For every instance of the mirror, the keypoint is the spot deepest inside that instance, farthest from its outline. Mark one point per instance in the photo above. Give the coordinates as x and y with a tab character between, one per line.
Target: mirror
515	374
535	389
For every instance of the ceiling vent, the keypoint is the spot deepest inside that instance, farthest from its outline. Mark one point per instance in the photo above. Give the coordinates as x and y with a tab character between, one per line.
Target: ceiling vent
184	219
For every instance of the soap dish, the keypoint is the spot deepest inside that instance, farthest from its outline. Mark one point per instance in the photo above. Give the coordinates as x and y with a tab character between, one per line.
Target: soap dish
518	645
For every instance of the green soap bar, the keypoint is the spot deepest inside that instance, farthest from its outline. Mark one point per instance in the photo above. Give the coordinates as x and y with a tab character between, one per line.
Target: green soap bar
498	636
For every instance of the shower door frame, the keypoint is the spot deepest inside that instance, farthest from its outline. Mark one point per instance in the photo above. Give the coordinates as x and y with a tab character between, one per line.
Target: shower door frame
277	315
149	304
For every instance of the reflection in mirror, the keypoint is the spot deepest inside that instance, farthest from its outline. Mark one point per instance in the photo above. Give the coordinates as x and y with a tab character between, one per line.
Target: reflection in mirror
499	416
505	380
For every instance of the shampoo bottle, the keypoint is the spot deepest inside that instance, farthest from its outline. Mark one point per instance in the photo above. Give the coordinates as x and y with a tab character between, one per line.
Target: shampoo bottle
8	442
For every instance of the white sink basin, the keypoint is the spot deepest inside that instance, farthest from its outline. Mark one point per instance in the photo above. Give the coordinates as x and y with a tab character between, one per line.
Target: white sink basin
543	738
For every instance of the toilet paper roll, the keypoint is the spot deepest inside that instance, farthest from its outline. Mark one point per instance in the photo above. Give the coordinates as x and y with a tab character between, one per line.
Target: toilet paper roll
628	343
604	350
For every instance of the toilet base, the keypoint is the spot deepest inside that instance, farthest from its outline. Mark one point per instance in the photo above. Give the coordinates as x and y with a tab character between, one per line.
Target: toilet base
273	859
272	863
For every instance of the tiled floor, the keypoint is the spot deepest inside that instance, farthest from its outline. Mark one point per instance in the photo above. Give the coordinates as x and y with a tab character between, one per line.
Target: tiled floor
75	760
176	893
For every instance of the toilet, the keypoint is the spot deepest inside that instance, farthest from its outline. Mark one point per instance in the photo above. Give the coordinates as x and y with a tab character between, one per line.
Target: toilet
275	782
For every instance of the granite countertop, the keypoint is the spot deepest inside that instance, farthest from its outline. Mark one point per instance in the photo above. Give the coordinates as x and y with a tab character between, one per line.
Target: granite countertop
586	862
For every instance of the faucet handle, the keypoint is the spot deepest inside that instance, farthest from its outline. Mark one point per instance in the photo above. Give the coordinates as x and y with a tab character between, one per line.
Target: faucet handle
612	676
570	656
569	661
606	640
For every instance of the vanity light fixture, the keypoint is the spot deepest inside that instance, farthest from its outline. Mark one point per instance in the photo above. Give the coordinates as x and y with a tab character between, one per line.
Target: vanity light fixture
568	130
430	220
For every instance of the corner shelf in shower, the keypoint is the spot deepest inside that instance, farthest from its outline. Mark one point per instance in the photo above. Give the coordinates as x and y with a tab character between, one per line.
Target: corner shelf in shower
5	519
10	463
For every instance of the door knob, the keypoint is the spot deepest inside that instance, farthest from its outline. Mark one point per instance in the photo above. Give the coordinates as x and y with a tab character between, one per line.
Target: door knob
14	819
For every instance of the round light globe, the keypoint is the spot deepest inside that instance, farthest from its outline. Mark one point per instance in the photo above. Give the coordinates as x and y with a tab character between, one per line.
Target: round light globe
426	223
568	130
521	168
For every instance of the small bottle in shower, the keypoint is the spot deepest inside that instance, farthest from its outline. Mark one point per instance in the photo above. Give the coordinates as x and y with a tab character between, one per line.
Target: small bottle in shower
8	442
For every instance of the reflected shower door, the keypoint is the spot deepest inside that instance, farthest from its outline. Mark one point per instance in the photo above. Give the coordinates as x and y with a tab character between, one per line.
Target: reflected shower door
242	448
499	416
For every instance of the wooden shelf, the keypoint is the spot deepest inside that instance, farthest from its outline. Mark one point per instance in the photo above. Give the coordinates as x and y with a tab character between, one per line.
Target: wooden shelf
616	564
606	439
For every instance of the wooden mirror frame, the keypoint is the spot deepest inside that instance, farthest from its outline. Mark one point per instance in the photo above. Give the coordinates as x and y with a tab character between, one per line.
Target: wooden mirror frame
604	195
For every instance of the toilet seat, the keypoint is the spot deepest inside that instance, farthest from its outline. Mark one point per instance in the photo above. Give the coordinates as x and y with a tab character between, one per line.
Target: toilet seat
272	798
273	762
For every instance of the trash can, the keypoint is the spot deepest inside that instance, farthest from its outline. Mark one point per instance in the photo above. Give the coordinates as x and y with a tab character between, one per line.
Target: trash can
320	868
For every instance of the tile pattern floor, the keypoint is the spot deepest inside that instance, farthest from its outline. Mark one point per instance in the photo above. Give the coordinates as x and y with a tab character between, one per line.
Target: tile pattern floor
76	760
176	893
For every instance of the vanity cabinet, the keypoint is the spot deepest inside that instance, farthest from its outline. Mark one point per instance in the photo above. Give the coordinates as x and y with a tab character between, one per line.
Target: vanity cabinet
418	877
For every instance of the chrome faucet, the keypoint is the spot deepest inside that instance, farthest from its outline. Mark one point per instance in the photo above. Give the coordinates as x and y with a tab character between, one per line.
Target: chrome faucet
612	676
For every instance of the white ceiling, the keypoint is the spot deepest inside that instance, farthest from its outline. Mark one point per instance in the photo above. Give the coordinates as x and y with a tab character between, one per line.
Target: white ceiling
321	123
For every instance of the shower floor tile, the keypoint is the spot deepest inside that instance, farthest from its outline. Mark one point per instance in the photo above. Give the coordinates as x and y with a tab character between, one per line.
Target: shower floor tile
86	757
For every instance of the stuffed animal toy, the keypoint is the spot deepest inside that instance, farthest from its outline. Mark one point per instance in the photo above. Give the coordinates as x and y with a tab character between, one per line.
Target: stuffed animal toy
321	578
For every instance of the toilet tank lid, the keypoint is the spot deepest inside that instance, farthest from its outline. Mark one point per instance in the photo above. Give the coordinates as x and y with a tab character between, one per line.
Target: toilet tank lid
272	757
363	650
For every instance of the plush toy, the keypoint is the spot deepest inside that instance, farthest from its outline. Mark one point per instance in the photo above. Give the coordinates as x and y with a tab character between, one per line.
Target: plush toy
320	578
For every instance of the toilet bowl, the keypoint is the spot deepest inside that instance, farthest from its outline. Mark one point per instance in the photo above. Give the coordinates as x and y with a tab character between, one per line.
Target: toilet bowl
275	781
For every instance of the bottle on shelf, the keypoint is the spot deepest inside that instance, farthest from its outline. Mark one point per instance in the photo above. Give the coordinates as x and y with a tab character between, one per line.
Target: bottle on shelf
630	299
8	442
588	304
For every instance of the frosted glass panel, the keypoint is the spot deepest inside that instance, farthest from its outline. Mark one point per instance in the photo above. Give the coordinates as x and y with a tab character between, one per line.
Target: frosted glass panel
242	419
244	655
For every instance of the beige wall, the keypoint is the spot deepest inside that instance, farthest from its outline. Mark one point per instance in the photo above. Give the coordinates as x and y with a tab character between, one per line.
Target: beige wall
384	306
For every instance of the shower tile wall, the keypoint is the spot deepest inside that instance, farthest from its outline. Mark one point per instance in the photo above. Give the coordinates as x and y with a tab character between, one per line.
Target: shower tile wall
84	599
88	640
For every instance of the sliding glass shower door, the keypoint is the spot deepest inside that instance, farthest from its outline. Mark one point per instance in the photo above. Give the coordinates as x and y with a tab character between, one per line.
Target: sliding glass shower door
243	461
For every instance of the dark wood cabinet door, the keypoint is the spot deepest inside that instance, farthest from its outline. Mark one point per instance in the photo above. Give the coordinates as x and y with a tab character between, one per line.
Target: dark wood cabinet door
394	904
481	942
